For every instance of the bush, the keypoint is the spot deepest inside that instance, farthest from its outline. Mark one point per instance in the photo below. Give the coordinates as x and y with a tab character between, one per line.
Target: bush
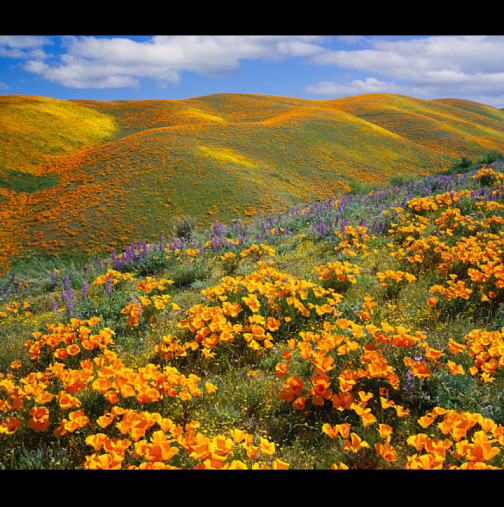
360	187
184	228
402	179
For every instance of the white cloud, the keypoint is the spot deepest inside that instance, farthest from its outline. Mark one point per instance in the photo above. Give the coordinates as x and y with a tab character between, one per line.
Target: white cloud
23	46
355	87
352	39
91	62
427	67
431	67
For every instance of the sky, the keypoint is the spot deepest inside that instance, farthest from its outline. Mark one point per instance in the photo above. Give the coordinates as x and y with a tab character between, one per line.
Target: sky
124	67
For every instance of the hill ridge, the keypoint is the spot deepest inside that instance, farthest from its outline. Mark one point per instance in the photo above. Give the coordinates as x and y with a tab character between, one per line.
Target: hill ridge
134	168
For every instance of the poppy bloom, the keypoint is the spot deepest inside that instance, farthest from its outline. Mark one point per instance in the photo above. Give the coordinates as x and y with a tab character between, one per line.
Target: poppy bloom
329	430
103	462
417	441
355	444
424	462
40	419
10	425
67	401
76	420
299	403
385	430
73	349
266	447
386	451
386	403
210	388
454	368
455	347
433	301
61	353
97	441
401	411
281	369
294	384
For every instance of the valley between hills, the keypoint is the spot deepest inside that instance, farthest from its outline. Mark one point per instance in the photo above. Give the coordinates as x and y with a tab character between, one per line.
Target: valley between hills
82	177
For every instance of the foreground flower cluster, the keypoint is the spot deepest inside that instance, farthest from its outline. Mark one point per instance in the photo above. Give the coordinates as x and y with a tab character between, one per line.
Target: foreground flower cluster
79	363
336	363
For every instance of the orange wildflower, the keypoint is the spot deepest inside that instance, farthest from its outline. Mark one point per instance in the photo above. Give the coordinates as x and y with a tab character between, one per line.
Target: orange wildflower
386	451
454	368
40	419
10	425
355	444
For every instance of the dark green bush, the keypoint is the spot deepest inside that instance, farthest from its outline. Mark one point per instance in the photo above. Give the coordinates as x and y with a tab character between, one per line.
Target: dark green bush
185	227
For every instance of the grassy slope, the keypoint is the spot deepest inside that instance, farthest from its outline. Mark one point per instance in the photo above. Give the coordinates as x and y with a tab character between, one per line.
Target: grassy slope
220	157
32	128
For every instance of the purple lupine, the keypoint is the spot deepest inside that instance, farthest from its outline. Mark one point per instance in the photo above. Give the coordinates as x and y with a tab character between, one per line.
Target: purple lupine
117	263
108	285
322	228
66	282
344	223
54	307
375	223
67	296
85	289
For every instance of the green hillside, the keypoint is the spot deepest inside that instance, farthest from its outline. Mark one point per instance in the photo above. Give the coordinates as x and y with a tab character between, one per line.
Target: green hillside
33	128
106	173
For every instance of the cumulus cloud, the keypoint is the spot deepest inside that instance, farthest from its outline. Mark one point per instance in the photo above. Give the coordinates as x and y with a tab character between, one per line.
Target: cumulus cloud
421	66
23	46
91	62
433	66
353	87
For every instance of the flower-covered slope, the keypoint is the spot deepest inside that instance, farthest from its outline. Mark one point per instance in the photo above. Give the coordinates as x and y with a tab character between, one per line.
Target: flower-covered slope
85	176
364	332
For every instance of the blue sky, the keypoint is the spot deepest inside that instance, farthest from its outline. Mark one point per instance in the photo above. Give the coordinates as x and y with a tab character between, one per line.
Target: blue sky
315	67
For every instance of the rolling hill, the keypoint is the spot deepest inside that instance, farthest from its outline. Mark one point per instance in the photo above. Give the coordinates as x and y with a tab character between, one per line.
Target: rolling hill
79	177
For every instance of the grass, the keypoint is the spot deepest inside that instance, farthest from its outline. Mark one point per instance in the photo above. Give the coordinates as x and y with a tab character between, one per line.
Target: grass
363	332
26	182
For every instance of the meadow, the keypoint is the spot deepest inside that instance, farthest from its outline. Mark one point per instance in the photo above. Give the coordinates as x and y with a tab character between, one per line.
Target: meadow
360	330
82	177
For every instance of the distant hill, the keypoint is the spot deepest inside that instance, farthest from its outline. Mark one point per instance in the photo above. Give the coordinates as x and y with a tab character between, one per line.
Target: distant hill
32	128
80	176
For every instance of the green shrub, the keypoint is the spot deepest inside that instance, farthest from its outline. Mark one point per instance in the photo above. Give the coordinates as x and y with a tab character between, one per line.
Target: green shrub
402	179
185	227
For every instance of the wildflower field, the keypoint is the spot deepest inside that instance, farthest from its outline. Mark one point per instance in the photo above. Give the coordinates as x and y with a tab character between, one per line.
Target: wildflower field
361	331
82	177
